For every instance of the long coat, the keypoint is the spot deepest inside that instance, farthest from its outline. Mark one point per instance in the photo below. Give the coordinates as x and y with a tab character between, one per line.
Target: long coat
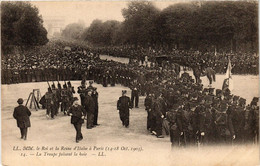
77	113
22	114
89	104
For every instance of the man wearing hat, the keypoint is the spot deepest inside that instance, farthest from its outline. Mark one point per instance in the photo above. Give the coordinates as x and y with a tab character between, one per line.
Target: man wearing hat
89	105
22	115
123	107
50	108
95	98
254	118
82	91
235	120
76	112
199	120
135	93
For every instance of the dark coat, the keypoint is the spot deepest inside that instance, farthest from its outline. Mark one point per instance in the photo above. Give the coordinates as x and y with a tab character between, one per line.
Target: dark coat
89	104
124	103
77	113
22	114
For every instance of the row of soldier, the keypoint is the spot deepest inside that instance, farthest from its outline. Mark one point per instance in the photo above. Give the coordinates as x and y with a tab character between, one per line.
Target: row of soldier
193	115
62	98
220	113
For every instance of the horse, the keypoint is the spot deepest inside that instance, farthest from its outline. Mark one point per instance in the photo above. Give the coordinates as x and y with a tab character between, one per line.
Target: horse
209	72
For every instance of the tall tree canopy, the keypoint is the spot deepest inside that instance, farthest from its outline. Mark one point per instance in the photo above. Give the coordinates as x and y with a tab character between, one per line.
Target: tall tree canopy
73	31
21	25
139	24
202	25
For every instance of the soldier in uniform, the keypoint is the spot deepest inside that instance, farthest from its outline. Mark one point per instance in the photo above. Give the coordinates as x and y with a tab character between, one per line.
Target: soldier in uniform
254	116
70	91
89	105
148	108
90	87
158	112
174	116
82	91
135	93
49	96
64	100
95	97
55	99
123	107
199	120
235	120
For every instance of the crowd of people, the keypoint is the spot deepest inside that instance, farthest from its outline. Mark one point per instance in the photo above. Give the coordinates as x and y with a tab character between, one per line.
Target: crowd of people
243	63
53	62
189	113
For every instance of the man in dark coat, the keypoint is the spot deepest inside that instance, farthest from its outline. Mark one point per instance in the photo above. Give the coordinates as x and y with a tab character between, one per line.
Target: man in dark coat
95	98
89	105
148	107
123	106
22	114
76	112
135	93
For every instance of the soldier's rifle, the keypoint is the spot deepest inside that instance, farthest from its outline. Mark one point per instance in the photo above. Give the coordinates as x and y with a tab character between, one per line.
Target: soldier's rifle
48	84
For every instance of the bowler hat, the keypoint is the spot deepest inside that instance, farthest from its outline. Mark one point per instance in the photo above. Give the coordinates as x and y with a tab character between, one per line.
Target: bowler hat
20	101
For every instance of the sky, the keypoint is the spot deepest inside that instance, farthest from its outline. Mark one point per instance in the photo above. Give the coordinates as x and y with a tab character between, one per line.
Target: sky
87	11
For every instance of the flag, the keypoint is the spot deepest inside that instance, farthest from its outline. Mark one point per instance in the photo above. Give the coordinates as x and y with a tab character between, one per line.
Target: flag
228	82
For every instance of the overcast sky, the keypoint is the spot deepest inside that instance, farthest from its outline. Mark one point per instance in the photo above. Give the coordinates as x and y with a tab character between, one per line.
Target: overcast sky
87	11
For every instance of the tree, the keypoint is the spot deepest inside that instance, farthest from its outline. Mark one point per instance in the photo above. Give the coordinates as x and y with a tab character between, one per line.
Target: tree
103	34
139	23
22	26
73	31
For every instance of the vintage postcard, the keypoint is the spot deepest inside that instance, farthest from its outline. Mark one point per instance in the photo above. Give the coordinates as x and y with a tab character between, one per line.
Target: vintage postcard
140	83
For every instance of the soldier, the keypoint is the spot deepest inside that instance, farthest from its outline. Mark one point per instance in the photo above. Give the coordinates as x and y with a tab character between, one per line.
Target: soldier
158	112
89	105
135	93
22	115
49	96
175	123
148	107
235	120
70	91
90	87
55	99
82	91
64	100
254	116
95	97
199	120
123	107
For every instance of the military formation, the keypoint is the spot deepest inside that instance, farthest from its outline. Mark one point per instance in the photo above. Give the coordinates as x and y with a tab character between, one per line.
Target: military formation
62	99
188	112
192	115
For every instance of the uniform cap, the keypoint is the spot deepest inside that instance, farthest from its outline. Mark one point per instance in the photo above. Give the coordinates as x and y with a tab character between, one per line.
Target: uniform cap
235	98
242	101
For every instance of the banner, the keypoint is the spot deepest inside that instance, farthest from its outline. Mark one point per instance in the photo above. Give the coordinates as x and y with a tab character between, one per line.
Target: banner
228	82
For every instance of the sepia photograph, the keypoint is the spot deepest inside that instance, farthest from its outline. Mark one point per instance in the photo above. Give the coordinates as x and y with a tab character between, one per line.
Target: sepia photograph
130	83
